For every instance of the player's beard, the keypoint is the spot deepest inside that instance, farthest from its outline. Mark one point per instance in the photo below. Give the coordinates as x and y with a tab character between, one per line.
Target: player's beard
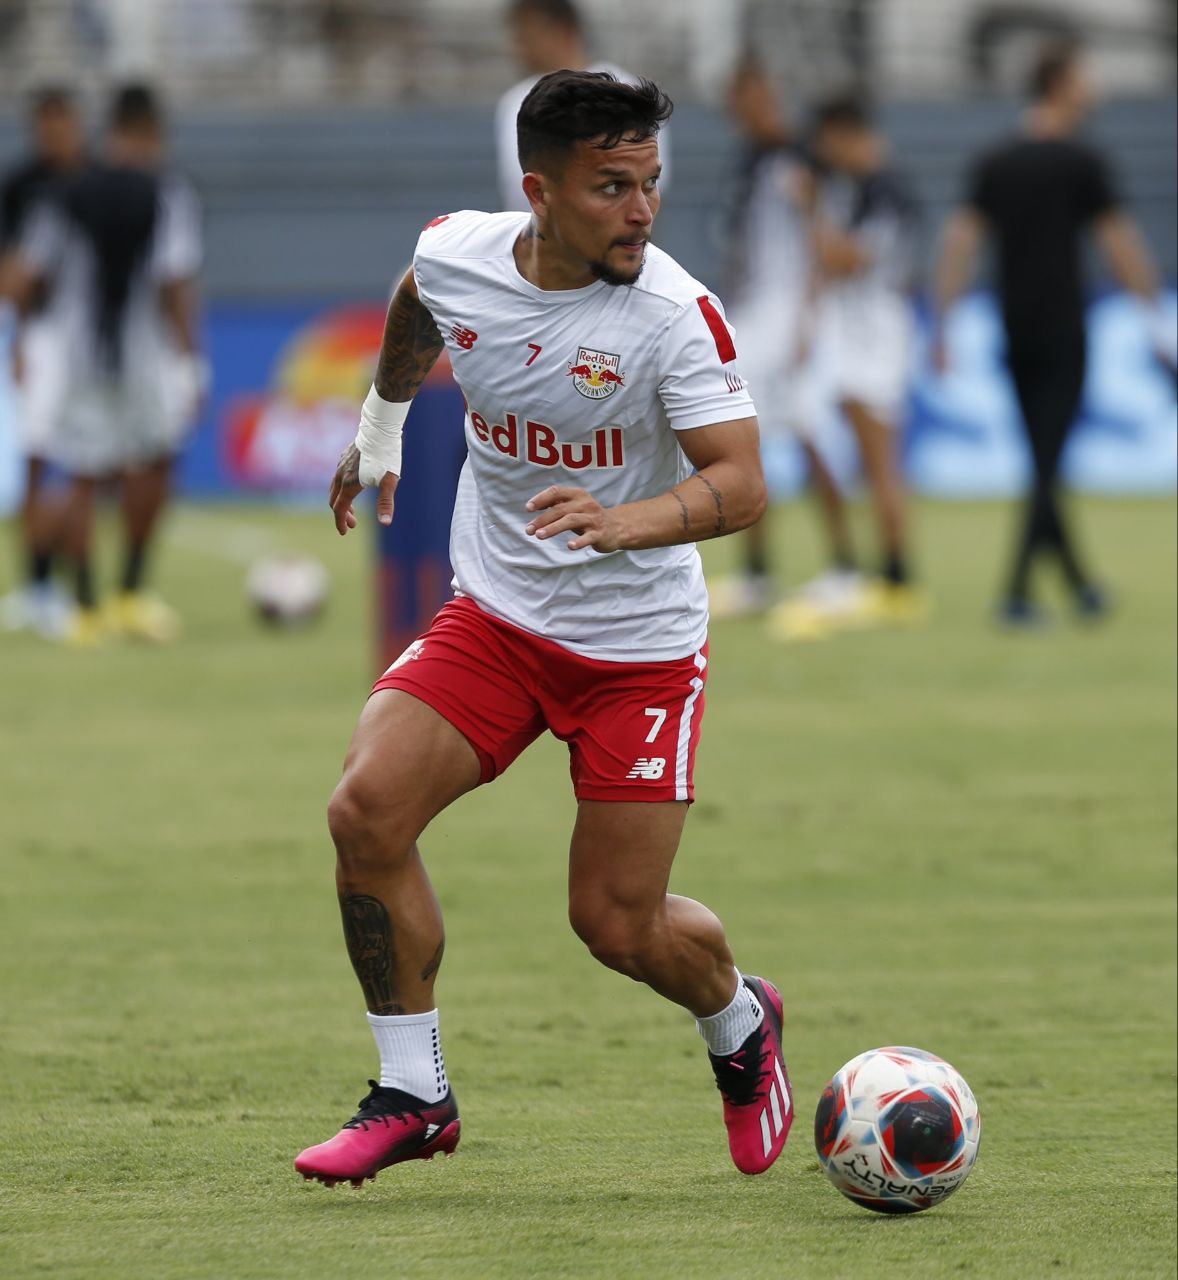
603	271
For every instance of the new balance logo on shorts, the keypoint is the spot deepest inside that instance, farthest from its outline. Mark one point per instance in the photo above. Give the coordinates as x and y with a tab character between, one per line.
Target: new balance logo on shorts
649	767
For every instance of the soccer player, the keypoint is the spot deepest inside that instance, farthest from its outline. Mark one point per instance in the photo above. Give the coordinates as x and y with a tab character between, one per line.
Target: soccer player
118	257
608	430
774	294
547	35
1036	194
866	249
59	150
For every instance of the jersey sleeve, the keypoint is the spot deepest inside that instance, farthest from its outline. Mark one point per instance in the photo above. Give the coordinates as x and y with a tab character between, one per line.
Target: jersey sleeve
42	237
699	379
178	249
979	186
438	239
1098	192
10	212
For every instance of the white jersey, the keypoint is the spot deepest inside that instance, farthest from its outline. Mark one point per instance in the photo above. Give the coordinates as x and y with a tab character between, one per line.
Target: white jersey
583	387
770	281
511	192
95	418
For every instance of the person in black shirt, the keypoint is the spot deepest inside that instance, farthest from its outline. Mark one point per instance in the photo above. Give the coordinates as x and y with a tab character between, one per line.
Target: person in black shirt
1037	194
59	150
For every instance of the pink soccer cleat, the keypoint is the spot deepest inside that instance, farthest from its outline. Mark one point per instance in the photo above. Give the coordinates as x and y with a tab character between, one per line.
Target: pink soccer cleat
390	1127
753	1081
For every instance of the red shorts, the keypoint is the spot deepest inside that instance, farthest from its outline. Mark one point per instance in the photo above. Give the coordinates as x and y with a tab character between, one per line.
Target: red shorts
632	727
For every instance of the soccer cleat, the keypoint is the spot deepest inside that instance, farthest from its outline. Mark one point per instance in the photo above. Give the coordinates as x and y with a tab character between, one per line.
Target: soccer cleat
740	595
143	617
836	601
1019	614
898	605
85	630
753	1081
1093	603
18	610
391	1126
799	619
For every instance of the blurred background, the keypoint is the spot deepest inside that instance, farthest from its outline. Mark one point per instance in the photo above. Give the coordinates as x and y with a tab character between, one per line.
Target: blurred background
321	135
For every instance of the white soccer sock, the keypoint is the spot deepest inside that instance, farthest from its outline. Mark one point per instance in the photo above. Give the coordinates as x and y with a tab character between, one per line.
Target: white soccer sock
410	1048
727	1030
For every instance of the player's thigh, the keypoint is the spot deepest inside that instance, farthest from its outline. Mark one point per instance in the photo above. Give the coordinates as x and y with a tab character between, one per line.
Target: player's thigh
621	856
877	439
404	765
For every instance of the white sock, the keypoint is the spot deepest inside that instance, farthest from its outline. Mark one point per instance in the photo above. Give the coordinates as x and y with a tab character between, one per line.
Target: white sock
410	1048
727	1030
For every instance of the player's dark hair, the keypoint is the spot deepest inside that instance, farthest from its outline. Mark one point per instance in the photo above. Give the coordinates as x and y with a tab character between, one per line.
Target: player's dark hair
115	209
567	107
135	106
48	98
844	110
561	13
1052	63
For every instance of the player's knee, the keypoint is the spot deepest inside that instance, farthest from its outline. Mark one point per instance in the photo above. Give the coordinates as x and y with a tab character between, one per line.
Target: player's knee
369	828
616	938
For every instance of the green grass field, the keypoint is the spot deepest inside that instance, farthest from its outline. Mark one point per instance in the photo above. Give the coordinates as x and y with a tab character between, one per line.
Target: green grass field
951	838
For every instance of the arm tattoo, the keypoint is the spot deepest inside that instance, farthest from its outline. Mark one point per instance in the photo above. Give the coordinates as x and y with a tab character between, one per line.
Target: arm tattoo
718	499
435	962
369	936
683	511
408	350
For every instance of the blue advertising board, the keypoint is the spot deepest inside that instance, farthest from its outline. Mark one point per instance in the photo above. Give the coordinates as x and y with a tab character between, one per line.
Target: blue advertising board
287	380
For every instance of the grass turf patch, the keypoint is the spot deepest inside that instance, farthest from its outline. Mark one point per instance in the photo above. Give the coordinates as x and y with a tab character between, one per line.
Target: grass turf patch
949	837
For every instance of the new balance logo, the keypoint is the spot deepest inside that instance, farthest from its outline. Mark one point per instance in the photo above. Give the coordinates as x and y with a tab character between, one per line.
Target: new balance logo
779	1105
465	338
649	767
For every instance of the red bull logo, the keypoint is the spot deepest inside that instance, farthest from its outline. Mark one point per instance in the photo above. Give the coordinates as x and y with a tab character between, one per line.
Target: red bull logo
538	444
596	374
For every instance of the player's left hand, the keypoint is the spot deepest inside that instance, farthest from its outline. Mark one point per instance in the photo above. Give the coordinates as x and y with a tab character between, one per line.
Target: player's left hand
563	509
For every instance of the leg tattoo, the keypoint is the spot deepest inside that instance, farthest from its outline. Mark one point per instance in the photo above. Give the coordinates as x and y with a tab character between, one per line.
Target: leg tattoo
435	962
369	936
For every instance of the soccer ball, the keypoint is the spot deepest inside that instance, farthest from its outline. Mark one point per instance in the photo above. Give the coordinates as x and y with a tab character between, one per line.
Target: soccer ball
897	1130
287	591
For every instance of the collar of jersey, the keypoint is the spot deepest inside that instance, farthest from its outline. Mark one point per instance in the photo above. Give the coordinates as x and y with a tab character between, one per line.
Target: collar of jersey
519	281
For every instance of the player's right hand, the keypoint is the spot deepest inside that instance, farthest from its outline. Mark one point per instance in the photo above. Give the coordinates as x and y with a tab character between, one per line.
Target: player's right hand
345	485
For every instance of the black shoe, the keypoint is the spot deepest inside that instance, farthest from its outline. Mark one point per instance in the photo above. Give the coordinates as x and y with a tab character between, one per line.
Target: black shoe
1019	613
1092	603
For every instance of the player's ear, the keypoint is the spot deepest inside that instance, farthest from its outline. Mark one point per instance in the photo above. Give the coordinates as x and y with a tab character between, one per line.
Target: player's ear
535	190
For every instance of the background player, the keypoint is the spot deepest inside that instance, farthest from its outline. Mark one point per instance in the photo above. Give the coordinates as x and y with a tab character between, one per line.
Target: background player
58	151
866	245
586	356
773	296
1036	194
547	35
119	258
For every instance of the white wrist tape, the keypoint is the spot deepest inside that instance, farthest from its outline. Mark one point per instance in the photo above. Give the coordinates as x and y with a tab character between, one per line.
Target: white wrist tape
379	437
